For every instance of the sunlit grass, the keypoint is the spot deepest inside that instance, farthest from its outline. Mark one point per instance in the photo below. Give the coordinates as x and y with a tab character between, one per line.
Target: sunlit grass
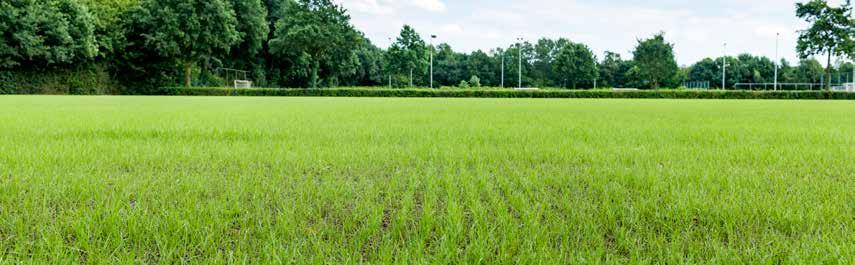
350	180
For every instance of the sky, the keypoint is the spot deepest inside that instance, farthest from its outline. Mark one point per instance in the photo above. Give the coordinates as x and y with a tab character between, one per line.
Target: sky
697	28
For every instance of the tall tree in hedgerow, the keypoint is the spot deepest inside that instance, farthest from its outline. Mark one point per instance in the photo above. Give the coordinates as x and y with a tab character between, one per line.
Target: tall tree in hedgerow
831	31
252	26
317	32
575	63
189	30
408	55
654	62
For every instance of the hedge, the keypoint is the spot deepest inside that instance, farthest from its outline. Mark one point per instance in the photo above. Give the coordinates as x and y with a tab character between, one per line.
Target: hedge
80	80
426	93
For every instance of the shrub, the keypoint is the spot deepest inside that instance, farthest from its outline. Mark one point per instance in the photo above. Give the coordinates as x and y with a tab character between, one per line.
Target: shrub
474	81
471	93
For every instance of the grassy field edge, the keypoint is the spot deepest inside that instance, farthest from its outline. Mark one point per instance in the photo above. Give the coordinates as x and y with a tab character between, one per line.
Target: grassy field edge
494	93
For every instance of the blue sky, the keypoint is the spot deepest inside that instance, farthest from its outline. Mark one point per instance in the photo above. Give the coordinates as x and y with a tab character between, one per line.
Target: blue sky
698	28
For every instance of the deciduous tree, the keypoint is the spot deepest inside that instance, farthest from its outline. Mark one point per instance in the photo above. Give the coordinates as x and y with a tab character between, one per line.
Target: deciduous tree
188	30
655	62
831	31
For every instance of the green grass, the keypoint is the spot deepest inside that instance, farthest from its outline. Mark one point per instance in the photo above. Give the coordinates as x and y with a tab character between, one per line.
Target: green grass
391	180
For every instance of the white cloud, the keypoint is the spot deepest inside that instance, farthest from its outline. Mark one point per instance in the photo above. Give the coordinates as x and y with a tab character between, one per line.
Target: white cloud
392	7
453	29
430	5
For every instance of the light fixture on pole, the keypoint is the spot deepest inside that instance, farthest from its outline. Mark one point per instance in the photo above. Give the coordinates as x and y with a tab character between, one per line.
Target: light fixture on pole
595	73
519	50
724	68
503	68
389	66
777	60
431	59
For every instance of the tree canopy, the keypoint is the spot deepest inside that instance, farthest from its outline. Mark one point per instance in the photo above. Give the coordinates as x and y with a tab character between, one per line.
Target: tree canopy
409	54
655	63
576	63
188	30
317	34
45	33
831	31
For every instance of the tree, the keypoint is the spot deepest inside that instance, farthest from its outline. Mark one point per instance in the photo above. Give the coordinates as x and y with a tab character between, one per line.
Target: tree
447	66
832	31
317	32
809	71
545	52
512	64
409	54
189	30
575	63
706	70
45	33
612	70
481	64
253	30
655	63
372	65
109	24
474	81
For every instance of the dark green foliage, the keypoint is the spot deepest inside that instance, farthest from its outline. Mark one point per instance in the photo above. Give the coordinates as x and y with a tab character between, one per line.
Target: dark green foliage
408	57
316	37
832	31
613	70
36	34
253	31
189	31
82	80
655	63
110	22
372	68
575	63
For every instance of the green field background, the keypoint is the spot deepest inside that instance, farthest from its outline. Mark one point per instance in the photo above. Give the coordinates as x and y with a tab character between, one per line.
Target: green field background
392	180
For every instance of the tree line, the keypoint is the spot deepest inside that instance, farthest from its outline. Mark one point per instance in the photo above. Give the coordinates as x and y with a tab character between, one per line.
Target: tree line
142	44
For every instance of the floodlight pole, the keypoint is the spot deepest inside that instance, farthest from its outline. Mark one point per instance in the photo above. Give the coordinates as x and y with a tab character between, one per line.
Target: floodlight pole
503	69
724	68
777	60
388	65
431	59
595	74
519	50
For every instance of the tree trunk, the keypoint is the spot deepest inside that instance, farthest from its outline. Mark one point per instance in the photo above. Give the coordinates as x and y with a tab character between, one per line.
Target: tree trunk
188	68
828	72
315	67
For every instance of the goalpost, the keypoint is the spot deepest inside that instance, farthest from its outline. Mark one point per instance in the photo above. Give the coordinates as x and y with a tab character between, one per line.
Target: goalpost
236	78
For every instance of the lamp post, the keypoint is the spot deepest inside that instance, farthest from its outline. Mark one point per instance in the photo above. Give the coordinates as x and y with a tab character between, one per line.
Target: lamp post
431	60
724	68
777	60
389	66
595	73
519	50
503	69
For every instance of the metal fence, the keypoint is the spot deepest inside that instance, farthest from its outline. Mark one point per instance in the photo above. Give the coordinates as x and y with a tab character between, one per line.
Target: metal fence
783	86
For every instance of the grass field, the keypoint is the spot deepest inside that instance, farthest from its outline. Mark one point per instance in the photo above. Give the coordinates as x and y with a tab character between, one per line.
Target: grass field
492	181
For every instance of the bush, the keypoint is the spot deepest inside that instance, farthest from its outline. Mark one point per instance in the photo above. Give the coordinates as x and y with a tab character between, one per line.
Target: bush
470	93
475	81
86	80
